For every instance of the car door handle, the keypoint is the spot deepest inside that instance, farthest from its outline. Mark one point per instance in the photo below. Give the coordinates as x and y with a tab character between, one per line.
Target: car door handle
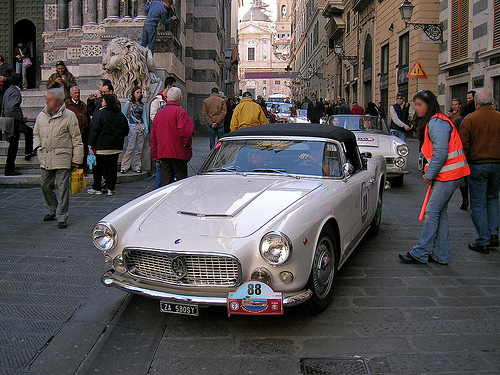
371	181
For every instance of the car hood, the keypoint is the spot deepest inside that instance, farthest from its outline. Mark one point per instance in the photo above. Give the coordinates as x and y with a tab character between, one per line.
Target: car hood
225	205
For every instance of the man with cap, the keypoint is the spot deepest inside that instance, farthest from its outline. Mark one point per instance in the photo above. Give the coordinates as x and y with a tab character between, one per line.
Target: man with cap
400	114
247	113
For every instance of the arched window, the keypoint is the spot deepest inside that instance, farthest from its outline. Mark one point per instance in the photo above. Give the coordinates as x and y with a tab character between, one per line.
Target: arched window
367	56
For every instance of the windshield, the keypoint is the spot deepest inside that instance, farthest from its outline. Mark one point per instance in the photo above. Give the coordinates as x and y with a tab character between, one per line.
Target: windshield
370	124
312	158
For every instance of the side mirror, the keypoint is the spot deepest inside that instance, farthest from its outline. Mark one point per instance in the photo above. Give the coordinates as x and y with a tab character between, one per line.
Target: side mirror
347	169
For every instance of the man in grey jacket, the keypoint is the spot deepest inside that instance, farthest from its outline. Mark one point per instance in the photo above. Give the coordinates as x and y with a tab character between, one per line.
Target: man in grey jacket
12	100
60	148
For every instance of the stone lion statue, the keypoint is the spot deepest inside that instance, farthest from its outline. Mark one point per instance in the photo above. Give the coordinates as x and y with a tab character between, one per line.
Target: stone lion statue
128	64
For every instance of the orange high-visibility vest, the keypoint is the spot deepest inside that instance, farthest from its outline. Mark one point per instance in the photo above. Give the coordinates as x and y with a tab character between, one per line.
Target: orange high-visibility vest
456	165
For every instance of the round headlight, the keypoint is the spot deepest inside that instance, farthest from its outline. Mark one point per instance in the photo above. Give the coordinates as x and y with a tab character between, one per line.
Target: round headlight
399	162
275	248
403	150
104	236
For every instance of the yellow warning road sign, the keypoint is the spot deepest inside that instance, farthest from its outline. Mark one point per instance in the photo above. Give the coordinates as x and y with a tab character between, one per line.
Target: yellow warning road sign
416	71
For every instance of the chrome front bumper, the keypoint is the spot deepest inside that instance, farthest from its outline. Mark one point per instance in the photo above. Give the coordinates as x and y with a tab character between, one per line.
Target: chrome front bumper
108	279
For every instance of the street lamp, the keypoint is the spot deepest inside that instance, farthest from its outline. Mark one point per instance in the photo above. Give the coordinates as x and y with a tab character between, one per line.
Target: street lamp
339	51
406	10
434	31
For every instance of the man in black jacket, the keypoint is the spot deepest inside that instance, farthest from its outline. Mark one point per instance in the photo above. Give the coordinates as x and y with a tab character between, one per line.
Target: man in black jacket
12	108
5	73
94	102
315	110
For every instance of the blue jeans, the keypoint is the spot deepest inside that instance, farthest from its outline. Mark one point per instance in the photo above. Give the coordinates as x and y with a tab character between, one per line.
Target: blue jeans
399	133
435	237
218	133
20	69
149	35
157	174
484	183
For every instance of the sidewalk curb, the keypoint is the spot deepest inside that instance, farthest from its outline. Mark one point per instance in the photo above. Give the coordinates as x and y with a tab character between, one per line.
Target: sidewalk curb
78	337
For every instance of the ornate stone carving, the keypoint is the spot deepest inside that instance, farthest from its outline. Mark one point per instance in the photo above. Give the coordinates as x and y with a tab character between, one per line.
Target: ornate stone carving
50	12
128	64
91	50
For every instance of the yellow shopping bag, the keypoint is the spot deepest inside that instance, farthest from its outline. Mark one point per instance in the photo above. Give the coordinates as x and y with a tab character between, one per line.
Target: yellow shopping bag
77	181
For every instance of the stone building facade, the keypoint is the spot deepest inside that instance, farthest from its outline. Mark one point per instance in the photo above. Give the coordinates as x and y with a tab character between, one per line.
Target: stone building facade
469	59
308	48
196	49
264	52
380	46
23	20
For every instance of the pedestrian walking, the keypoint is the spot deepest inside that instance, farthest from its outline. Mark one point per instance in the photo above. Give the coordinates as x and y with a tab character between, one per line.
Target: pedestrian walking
172	138
342	108
229	114
137	117
470	96
214	113
357	109
400	114
5	73
445	171
381	110
79	108
107	132
465	110
314	110
156	105
480	133
94	101
61	78
157	11
456	107
60	147
372	110
22	55
247	113
12	100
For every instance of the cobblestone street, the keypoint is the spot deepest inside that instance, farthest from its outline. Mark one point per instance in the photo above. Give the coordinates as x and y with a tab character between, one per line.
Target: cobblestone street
56	317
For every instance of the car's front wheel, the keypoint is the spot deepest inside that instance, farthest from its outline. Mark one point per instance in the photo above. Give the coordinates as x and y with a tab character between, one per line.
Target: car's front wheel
323	273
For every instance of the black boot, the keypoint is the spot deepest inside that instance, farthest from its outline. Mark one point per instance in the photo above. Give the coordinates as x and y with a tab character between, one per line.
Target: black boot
464	190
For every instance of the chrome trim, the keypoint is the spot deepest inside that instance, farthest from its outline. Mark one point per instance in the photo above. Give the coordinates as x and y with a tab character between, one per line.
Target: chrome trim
108	280
174	254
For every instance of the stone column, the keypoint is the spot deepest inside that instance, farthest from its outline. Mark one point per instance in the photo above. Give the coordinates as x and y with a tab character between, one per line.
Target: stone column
77	13
91	12
113	9
140	8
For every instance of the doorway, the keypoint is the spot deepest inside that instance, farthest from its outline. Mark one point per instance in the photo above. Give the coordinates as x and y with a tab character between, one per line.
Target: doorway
25	30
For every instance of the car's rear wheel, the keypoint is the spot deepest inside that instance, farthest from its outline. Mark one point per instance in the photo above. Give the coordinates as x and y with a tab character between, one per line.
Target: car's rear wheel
323	273
377	219
398	181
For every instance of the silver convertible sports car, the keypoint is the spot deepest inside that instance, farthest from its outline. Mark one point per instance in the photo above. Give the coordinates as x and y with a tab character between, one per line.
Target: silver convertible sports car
374	138
272	215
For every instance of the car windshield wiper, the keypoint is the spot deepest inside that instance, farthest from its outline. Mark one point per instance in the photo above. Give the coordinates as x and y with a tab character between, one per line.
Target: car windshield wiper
274	170
224	169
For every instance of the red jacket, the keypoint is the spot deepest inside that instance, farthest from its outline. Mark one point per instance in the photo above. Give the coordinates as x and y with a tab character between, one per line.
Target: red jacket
171	136
358	110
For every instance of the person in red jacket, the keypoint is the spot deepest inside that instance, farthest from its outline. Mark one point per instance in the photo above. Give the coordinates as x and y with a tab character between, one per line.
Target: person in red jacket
171	138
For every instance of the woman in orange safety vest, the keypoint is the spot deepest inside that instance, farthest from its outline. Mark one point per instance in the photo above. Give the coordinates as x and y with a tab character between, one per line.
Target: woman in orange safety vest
445	171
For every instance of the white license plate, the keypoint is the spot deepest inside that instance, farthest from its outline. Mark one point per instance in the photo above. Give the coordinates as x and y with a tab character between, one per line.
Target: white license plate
178	308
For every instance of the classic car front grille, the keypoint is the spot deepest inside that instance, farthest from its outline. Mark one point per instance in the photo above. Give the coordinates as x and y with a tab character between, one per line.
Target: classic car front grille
389	160
183	269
